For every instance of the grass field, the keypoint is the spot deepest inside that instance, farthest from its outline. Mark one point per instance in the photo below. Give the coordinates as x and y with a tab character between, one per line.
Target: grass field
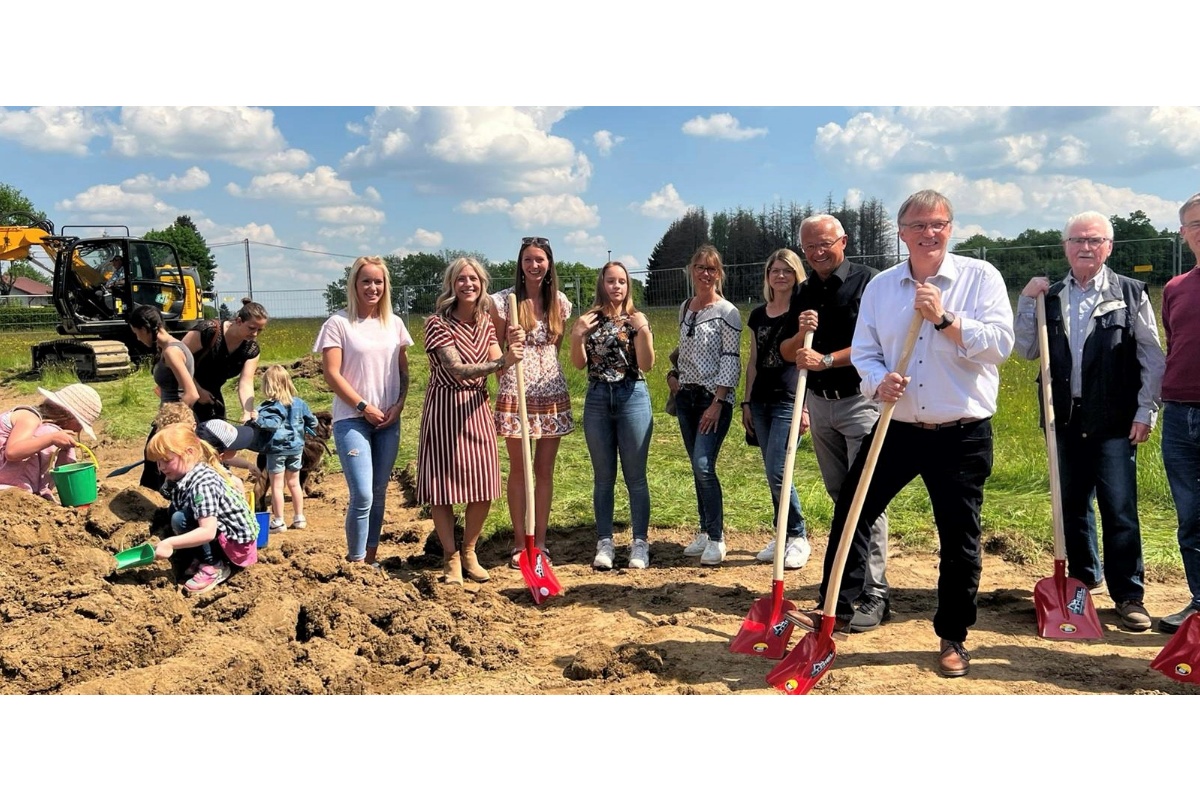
1016	510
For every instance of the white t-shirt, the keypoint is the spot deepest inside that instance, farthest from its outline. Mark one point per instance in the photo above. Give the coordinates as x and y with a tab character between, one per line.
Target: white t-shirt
370	359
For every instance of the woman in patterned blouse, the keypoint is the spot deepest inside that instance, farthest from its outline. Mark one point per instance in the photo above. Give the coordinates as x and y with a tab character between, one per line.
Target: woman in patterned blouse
710	331
613	342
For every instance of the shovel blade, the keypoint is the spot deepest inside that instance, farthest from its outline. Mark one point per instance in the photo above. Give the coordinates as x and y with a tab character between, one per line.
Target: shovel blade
1180	659
802	668
135	556
1065	609
763	634
539	577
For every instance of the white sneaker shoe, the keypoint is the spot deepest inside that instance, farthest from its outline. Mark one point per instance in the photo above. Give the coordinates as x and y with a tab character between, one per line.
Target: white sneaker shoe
714	554
639	554
604	555
797	553
767	554
698	545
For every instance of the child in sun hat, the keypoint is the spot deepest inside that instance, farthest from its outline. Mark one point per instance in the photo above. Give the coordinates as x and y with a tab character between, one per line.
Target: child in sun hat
208	508
35	439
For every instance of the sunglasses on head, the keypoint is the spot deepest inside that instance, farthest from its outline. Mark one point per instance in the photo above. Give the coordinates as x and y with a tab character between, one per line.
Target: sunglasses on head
535	240
690	321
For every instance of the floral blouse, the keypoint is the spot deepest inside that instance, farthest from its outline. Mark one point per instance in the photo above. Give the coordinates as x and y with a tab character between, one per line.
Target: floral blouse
611	356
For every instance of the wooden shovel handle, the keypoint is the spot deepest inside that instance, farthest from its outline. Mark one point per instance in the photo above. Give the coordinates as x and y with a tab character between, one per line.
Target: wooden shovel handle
864	482
1060	541
522	411
789	467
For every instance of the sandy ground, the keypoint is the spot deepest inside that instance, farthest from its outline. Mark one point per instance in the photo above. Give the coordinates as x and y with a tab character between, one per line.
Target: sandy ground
303	621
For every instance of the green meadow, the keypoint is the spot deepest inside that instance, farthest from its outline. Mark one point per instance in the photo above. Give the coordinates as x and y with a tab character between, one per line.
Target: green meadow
1016	511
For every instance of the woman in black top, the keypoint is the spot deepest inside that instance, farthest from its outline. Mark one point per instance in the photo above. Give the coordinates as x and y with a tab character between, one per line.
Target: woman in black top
770	394
223	350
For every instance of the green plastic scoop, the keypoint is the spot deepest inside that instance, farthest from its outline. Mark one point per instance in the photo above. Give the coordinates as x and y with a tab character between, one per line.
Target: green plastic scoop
135	556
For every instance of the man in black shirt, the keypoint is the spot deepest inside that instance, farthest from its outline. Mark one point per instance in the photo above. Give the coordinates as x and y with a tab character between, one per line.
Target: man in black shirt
839	416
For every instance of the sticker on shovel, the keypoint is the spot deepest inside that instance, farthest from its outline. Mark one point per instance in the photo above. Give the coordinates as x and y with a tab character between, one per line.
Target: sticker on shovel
1178	660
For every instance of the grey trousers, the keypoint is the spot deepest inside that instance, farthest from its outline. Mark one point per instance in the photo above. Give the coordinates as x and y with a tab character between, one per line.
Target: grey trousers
837	428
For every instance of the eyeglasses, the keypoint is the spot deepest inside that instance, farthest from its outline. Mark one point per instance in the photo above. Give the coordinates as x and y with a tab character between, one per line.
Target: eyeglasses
781	273
535	240
704	268
921	227
815	246
1091	241
1191	226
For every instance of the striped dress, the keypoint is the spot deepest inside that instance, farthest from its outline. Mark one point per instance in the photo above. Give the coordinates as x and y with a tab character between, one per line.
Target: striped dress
457	460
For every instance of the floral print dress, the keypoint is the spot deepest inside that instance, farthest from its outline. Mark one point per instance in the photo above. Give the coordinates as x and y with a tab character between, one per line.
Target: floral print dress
546	399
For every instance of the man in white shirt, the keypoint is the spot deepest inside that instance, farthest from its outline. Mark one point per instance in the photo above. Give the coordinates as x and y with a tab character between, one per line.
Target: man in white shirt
941	427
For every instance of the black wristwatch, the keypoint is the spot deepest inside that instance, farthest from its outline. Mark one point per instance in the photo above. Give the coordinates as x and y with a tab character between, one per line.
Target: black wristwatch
362	405
947	321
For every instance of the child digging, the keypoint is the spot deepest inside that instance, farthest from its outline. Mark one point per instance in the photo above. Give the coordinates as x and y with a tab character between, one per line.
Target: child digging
288	418
207	508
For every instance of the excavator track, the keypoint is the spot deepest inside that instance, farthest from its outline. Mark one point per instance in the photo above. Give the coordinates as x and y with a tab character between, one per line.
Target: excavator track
92	359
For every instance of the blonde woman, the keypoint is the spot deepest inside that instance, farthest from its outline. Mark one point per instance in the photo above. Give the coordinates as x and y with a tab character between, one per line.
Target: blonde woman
770	394
457	461
613	342
365	360
710	331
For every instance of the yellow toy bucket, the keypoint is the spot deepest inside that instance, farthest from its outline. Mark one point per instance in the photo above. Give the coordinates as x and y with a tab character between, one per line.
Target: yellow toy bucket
76	483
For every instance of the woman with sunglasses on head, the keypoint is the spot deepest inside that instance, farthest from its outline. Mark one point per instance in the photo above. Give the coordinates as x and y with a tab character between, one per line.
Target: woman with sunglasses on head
771	394
542	311
364	357
710	364
613	342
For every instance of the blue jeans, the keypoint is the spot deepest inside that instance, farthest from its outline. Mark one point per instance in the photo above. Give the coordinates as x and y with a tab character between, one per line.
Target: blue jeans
772	423
182	522
1106	469
617	420
367	455
1181	458
703	449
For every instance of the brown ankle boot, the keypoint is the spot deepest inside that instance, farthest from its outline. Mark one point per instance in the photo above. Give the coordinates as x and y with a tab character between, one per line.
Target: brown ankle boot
452	569
472	567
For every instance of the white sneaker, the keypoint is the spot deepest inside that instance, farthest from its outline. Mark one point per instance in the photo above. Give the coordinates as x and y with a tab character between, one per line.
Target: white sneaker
767	554
604	555
639	554
714	554
698	545
277	525
797	553
299	523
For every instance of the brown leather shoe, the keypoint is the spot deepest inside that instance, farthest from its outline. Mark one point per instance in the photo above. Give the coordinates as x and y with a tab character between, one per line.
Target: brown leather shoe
1133	615
811	621
954	660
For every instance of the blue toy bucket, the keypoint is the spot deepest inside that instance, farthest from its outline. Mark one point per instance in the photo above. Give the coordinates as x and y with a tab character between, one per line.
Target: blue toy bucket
264	527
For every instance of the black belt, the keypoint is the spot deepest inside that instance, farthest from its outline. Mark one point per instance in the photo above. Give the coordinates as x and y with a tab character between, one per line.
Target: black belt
937	426
834	394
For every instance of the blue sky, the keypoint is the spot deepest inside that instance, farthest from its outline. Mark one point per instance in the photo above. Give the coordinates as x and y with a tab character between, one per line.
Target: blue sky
466	171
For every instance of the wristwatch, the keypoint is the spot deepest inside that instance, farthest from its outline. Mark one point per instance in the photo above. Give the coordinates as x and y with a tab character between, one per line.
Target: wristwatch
362	405
947	321
827	361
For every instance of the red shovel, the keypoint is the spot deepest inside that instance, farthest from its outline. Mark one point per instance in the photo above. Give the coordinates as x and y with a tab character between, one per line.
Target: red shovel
535	567
765	631
1064	605
810	659
1180	659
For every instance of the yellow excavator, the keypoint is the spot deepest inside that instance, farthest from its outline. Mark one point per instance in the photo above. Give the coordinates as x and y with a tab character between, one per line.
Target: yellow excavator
96	280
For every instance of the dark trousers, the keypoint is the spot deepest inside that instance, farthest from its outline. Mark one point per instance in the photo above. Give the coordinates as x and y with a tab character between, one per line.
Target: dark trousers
954	463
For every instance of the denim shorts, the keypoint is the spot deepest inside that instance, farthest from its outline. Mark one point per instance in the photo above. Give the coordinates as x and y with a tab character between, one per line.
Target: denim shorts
283	462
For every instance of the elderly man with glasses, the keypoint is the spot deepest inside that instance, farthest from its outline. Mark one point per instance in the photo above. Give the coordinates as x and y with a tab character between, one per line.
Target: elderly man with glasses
1106	369
941	428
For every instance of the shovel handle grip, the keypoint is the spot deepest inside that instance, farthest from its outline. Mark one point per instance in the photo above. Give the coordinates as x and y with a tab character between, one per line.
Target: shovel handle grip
526	444
1051	430
789	466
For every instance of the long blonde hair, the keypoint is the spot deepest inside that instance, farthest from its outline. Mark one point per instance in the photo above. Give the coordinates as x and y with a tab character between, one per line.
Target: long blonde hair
385	302
447	302
277	385
181	440
787	256
709	256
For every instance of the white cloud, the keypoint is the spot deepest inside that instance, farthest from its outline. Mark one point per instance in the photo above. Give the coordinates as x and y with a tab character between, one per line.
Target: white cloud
104	200
721	126
346	232
194	178
587	244
239	135
663	204
322	185
255	232
493	150
871	142
605	141
489	206
52	129
424	238
1071	152
560	210
1058	197
981	197
349	215
941	120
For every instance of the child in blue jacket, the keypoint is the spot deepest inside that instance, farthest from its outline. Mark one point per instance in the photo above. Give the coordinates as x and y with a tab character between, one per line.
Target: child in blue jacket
287	419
